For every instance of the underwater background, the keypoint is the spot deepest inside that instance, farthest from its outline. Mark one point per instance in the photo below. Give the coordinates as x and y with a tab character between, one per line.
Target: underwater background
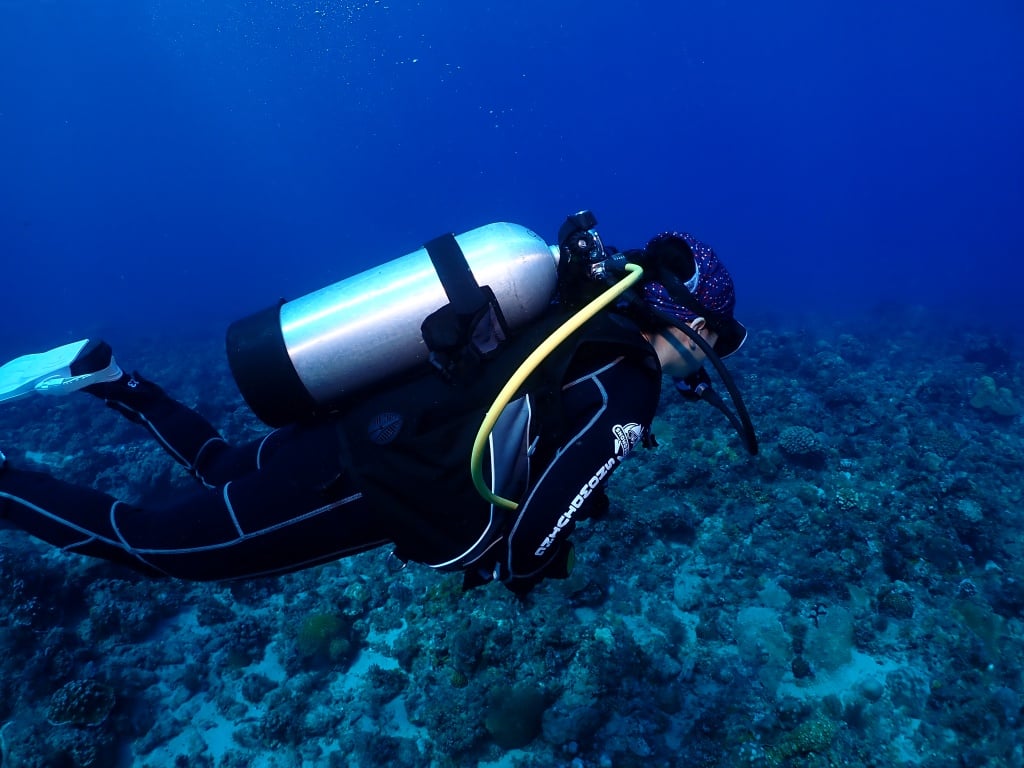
851	596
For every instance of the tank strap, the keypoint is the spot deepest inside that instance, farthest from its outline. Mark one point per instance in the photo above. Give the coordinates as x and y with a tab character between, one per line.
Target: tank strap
456	277
471	326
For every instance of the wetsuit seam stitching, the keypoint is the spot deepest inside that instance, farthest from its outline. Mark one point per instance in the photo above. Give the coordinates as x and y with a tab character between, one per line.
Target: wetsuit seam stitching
195	464
159	437
231	511
57	519
259	450
256	534
125	546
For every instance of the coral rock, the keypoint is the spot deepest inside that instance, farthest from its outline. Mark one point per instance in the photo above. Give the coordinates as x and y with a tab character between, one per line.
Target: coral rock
81	703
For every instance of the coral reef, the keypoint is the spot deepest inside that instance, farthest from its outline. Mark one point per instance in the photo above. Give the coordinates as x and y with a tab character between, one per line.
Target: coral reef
989	396
514	717
851	596
802	445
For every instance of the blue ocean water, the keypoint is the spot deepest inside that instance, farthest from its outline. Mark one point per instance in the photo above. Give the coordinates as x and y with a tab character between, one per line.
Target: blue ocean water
850	596
176	164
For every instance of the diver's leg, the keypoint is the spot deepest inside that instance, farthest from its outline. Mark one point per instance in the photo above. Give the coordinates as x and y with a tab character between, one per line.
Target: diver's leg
298	511
89	365
188	437
73	518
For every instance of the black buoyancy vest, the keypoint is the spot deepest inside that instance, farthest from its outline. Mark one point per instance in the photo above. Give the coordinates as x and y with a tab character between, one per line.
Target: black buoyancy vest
409	442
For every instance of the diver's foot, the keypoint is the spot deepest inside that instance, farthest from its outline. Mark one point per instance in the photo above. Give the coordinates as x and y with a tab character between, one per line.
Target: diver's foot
59	371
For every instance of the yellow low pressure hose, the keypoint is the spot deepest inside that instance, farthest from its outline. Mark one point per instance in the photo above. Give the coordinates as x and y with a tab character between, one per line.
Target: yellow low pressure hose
528	366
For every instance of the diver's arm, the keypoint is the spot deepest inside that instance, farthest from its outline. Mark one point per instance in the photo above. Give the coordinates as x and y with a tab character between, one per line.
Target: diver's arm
609	410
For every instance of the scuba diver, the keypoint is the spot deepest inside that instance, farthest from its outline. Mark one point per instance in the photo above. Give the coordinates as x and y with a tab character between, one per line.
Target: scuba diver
470	435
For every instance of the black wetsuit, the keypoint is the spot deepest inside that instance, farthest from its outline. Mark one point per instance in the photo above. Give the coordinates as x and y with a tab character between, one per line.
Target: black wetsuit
307	493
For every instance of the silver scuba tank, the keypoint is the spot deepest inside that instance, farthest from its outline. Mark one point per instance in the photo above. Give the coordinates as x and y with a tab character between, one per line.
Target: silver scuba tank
301	357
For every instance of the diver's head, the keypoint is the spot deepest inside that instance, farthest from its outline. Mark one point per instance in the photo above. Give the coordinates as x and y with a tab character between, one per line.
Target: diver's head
712	296
689	301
